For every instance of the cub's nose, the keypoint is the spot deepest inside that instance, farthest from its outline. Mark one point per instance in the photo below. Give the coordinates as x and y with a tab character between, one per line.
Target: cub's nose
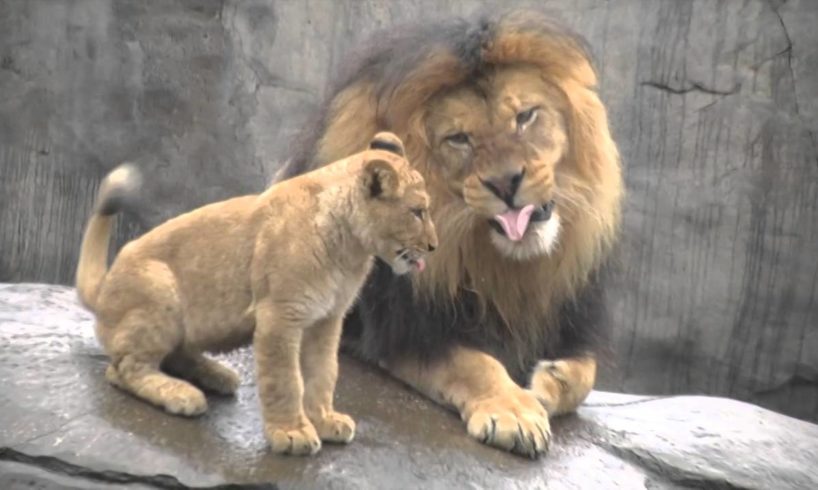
432	237
505	187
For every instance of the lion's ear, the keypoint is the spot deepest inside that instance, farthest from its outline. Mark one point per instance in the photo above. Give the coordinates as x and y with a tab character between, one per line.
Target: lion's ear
380	179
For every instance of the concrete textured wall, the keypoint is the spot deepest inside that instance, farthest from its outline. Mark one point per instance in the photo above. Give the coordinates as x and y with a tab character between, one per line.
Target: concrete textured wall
714	105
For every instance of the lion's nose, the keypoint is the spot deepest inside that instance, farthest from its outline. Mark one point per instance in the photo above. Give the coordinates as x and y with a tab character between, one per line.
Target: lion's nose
505	187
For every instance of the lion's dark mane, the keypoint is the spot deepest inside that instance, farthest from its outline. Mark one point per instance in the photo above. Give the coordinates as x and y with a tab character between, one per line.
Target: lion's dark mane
388	322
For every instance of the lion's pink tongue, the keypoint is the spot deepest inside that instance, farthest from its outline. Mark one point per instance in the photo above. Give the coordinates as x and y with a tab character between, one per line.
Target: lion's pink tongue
515	222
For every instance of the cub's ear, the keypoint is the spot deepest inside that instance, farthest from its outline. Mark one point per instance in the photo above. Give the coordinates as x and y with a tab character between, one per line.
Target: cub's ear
380	179
389	142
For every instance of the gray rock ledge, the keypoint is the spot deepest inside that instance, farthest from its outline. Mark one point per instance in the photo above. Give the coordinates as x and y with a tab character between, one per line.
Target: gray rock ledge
63	426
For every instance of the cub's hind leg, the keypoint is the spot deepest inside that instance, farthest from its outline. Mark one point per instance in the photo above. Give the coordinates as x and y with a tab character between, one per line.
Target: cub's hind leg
319	366
203	372
141	325
135	368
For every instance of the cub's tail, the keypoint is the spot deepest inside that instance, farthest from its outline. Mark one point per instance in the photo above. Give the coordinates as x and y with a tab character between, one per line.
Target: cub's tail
117	189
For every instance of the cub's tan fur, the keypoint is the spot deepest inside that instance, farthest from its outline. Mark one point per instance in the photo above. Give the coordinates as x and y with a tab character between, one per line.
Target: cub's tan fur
279	269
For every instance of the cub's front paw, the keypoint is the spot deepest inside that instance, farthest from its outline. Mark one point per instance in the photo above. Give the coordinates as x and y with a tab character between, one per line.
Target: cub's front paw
513	420
335	427
301	440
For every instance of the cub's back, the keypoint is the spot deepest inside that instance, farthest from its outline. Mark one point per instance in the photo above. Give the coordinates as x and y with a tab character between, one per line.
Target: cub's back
199	230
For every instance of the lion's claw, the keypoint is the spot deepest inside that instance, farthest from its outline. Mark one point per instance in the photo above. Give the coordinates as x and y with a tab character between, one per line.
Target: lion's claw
514	421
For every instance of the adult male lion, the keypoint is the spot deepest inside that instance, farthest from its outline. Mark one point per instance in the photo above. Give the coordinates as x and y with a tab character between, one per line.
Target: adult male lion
502	119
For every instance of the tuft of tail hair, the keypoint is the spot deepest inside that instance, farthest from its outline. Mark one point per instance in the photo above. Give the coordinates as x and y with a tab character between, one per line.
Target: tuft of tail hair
117	191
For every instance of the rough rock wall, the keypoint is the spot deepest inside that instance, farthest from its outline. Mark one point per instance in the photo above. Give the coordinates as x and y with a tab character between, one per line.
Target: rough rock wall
714	105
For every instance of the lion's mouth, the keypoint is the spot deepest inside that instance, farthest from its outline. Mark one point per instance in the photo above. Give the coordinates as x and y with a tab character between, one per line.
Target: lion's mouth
513	223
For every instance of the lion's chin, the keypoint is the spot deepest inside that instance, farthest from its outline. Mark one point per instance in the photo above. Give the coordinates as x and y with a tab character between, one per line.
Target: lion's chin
540	239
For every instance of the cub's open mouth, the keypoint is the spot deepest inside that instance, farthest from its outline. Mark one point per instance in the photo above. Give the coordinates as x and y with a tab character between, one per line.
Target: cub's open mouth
417	263
513	223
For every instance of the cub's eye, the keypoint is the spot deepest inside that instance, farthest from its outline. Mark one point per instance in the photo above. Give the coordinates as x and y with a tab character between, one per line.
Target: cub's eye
526	117
458	140
418	212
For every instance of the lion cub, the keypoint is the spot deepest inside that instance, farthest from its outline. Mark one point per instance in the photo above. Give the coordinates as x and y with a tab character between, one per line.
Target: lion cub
279	269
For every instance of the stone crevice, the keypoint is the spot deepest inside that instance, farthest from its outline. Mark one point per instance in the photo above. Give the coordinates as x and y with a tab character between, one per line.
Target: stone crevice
56	465
788	51
57	429
691	87
623	404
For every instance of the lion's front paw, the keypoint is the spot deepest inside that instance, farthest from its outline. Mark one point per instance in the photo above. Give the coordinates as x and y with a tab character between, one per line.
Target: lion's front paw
548	381
562	384
302	440
513	420
335	427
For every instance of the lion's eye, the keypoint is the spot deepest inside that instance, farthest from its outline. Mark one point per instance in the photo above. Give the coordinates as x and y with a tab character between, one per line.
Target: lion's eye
526	117
418	212
459	140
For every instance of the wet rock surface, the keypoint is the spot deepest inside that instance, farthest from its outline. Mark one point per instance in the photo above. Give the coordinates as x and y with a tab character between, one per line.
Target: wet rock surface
63	426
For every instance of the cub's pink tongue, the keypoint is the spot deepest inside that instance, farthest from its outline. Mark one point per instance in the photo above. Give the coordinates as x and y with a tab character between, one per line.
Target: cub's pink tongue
515	222
420	264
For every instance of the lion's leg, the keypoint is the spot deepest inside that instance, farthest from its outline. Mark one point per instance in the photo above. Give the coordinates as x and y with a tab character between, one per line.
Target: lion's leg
277	347
319	365
203	371
496	410
143	342
563	384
